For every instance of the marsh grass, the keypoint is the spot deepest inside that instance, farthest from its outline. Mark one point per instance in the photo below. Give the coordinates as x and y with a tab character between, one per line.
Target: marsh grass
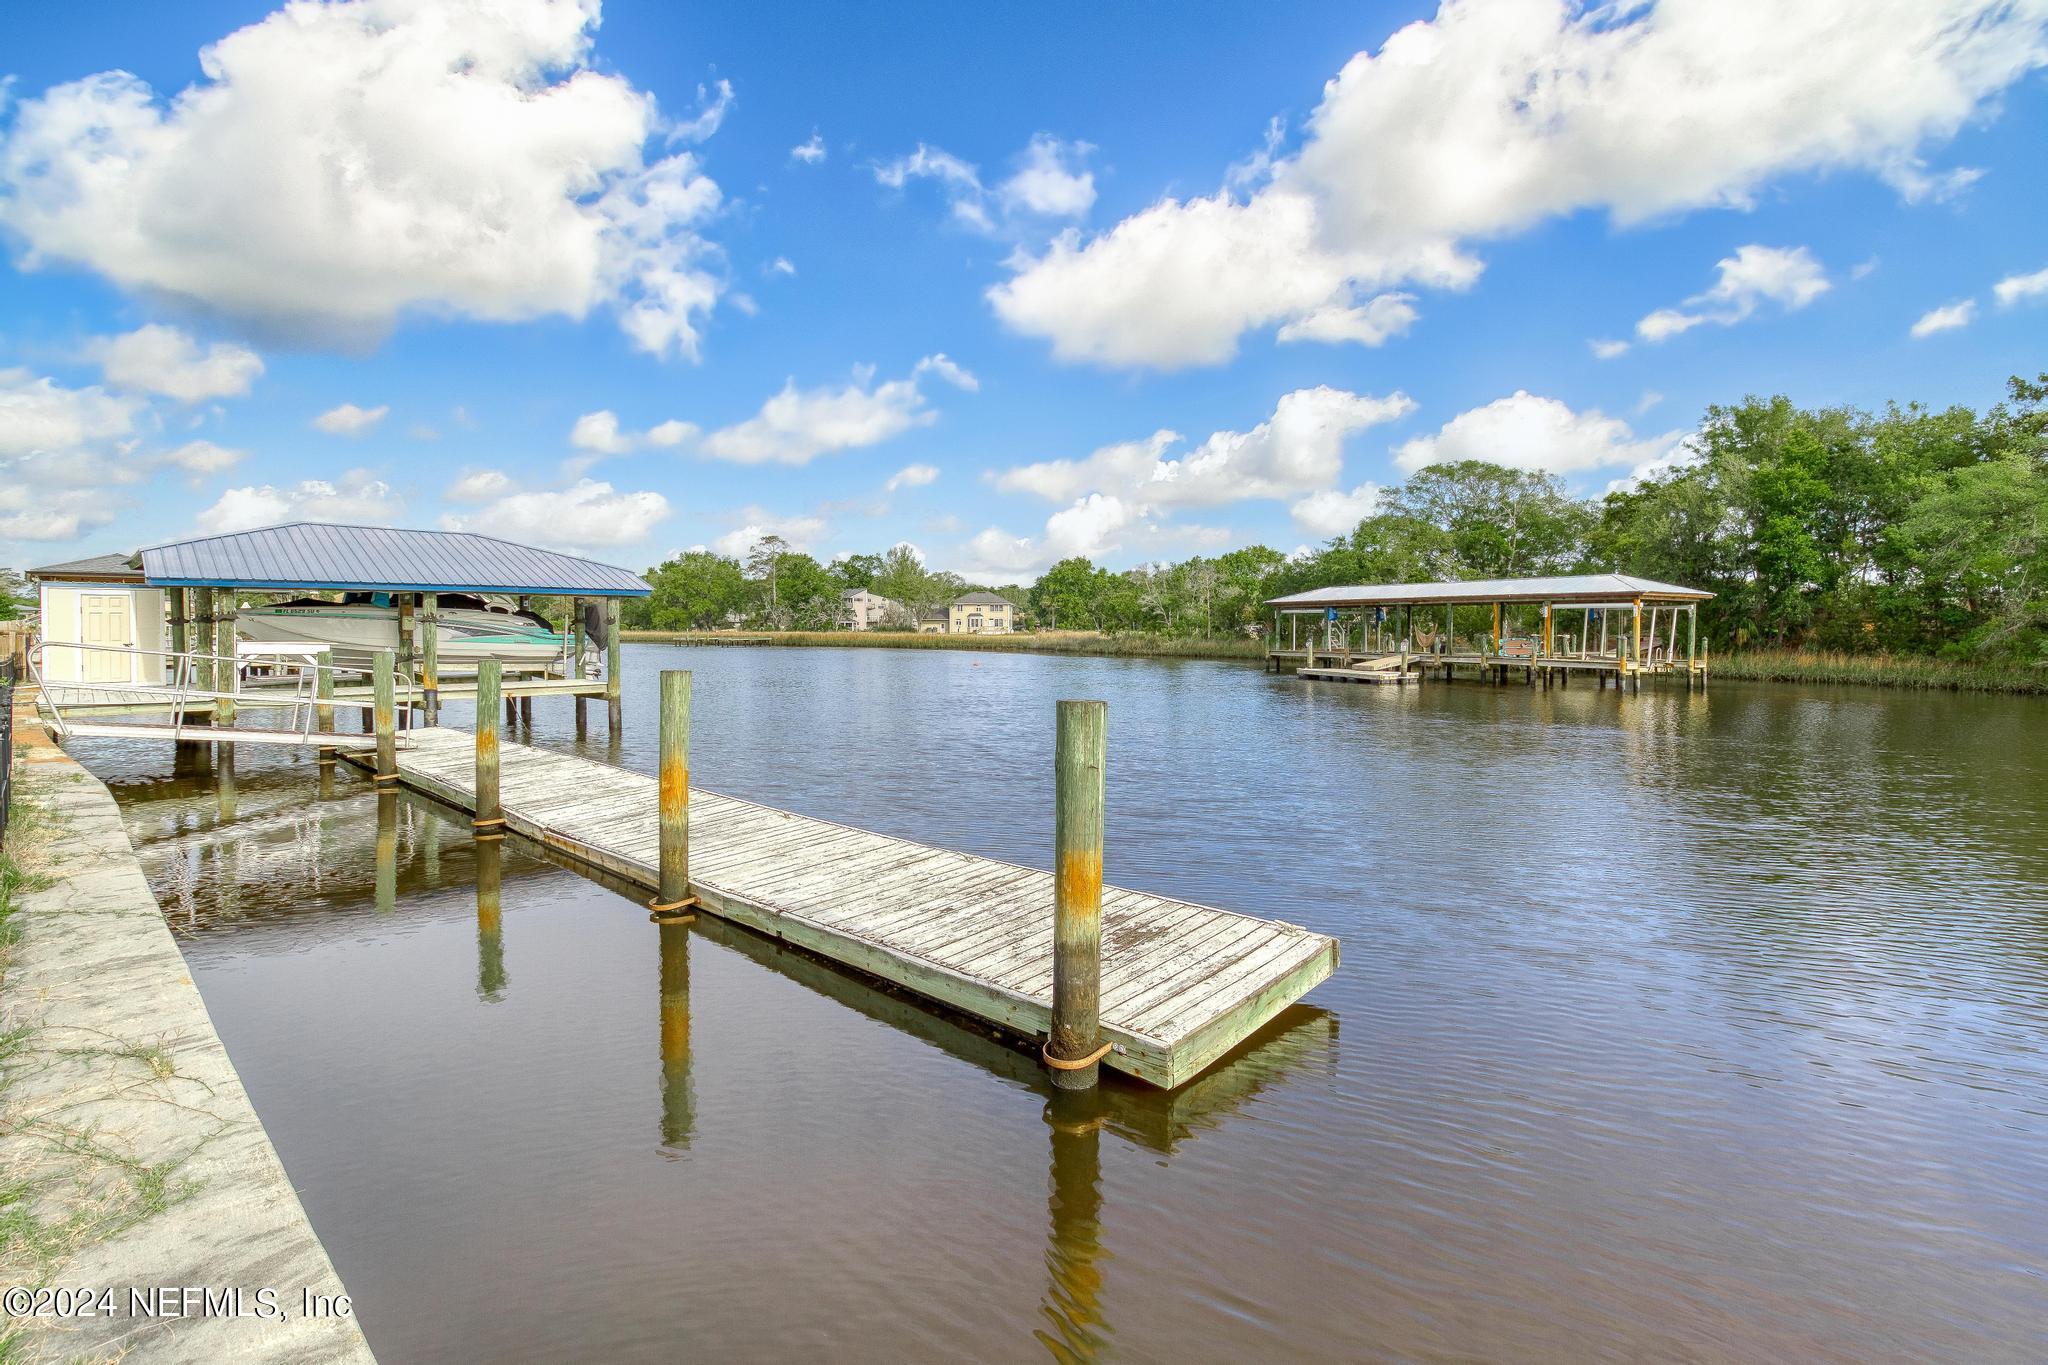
1880	670
1078	642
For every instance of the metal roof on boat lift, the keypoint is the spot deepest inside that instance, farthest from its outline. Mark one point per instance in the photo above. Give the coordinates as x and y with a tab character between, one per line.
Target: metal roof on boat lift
318	556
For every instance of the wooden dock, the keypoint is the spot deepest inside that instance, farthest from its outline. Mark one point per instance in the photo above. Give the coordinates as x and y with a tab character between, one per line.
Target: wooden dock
1181	984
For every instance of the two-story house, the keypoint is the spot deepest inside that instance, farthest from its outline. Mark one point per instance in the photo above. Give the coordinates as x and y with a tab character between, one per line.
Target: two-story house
860	609
981	613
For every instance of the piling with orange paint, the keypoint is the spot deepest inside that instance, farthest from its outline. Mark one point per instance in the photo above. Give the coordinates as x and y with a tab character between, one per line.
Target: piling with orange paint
674	788
1080	753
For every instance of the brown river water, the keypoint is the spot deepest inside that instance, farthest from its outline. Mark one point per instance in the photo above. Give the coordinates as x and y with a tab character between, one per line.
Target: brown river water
1668	1027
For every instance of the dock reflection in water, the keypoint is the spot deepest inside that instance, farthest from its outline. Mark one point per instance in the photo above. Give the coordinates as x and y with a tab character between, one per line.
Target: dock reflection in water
1737	1057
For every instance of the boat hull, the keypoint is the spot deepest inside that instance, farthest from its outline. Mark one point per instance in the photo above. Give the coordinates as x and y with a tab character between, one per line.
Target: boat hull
355	634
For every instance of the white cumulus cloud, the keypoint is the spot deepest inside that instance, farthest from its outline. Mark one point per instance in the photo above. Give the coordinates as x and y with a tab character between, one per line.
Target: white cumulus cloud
1298	450
357	497
585	515
2021	288
167	361
1947	318
1334	511
911	476
810	151
1608	348
1524	431
1122	494
798	425
1497	114
1051	181
39	415
201	458
1787	276
339	165
801	532
479	485
350	420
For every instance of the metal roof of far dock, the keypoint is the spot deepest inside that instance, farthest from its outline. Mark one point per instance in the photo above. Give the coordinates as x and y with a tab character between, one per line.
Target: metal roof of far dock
1593	587
317	556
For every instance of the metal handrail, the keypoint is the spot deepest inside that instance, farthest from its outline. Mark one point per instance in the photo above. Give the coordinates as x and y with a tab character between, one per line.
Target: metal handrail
303	675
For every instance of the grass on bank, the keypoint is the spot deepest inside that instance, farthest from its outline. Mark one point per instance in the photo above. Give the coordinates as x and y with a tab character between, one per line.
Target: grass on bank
1036	642
1879	670
63	1185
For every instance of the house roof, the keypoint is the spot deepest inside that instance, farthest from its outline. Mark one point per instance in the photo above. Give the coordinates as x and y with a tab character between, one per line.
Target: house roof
1592	587
318	556
96	569
981	599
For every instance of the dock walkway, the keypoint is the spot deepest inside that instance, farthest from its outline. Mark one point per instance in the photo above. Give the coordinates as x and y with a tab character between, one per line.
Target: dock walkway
1181	983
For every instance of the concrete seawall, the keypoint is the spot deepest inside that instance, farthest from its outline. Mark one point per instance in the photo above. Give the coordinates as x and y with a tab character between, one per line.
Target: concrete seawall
122	1110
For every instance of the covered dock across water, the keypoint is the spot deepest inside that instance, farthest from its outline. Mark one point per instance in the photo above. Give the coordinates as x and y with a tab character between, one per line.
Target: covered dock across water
1498	629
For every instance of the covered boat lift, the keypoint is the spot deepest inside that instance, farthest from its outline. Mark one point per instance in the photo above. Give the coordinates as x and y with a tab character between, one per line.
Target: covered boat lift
1531	630
185	663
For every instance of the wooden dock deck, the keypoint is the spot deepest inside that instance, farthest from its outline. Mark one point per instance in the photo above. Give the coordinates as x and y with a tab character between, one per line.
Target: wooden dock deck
1181	983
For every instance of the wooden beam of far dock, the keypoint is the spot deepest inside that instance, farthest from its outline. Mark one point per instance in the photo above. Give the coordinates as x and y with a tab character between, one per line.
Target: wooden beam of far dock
1182	984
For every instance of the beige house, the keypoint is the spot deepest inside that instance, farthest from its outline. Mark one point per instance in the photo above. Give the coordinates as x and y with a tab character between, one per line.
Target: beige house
981	613
103	602
860	609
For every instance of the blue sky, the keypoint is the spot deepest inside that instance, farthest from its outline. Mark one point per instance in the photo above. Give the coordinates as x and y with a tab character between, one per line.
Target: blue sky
1134	281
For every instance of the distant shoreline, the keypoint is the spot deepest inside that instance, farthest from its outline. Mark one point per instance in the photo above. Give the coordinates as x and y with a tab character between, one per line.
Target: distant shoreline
1878	670
1077	642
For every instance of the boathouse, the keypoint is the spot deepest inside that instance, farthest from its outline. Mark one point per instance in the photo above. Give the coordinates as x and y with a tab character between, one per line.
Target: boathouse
1526	629
156	631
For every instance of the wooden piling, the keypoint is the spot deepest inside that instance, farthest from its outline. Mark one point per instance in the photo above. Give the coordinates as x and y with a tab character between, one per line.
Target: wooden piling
526	711
226	672
387	719
323	691
614	708
673	795
1074	1051
490	814
430	653
178	610
202	639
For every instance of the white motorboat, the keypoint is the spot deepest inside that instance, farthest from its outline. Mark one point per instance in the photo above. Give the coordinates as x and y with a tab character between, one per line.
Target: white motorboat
356	628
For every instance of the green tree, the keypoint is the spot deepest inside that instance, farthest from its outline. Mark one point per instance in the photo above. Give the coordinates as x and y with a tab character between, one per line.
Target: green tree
903	580
13	595
696	591
1065	595
857	571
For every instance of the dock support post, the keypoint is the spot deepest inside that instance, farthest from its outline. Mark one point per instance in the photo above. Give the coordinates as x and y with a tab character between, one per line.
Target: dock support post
614	710
526	711
430	650
227	673
1080	754
1692	642
323	692
489	823
202	640
578	642
408	608
673	793
387	734
177	620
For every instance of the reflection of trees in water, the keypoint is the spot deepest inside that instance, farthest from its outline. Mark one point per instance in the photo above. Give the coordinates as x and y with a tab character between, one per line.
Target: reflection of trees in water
1073	1250
678	1096
490	939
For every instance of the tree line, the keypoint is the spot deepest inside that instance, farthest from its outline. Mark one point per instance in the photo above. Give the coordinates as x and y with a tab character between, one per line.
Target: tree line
1913	531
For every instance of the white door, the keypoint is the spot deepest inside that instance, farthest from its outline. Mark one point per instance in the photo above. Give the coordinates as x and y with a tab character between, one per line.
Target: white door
105	622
